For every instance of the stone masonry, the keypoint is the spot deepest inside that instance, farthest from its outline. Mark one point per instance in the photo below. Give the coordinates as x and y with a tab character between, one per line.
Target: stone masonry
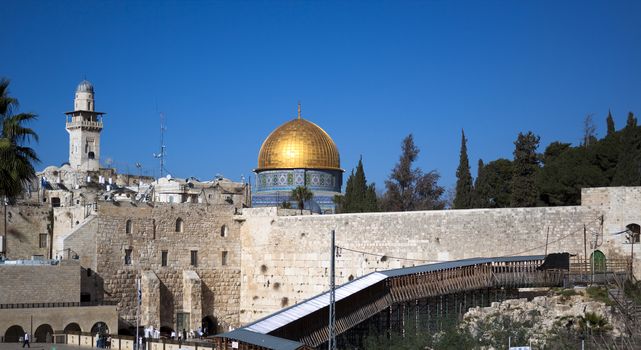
40	283
285	259
207	232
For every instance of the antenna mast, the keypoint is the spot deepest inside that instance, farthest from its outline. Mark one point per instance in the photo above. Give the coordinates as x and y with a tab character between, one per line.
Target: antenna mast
161	155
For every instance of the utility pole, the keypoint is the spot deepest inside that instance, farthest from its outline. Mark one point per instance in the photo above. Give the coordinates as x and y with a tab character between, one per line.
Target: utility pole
138	302
331	343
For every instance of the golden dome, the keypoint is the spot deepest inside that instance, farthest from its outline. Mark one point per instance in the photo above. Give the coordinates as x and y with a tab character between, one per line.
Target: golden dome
296	144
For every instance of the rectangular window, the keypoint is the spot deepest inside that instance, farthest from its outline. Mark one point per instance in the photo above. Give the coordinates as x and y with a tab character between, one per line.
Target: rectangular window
194	258
224	258
163	258
127	256
43	240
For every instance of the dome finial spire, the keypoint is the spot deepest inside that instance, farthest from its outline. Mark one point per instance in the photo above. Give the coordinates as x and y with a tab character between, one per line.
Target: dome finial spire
298	109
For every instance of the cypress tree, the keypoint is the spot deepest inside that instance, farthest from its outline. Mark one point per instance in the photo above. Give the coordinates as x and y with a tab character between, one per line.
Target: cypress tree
525	167
610	122
632	121
463	199
359	197
628	170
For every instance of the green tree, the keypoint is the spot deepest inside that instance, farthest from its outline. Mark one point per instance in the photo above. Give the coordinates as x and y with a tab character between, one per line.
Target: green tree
628	170
301	194
610	122
359	197
16	159
408	188
463	199
560	181
524	169
493	186
589	131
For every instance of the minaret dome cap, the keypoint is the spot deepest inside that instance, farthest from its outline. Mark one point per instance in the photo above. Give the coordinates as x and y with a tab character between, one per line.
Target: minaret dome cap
85	86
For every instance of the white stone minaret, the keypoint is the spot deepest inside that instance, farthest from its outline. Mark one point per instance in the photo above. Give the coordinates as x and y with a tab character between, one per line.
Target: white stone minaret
84	125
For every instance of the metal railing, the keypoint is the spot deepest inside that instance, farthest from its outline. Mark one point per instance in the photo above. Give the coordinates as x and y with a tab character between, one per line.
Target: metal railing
58	304
84	123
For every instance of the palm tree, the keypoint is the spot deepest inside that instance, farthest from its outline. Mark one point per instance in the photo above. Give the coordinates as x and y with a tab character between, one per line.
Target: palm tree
16	159
301	194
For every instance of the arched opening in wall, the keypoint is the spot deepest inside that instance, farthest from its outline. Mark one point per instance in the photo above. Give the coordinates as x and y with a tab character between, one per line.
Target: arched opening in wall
72	328
129	226
166	332
179	225
223	231
13	333
153	223
55	202
99	327
598	261
634	234
209	325
43	334
91	155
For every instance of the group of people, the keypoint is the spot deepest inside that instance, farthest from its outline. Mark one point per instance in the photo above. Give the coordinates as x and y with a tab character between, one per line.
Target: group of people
103	341
183	336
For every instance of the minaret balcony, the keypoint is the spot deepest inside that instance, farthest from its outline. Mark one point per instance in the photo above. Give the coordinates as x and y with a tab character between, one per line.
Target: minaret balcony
96	125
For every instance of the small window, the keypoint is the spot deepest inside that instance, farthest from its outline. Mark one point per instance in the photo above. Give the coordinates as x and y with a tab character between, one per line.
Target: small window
224	258
127	256
223	231
163	258
194	258
55	202
153	222
129	226
43	240
91	155
179	225
88	272
634	231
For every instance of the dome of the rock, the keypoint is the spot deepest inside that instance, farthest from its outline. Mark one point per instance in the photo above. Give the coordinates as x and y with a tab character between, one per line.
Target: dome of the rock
298	143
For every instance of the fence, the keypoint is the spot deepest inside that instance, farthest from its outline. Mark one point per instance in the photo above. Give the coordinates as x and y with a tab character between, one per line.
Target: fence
124	342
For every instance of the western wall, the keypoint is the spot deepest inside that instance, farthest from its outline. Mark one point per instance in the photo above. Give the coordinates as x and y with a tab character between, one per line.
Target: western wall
285	259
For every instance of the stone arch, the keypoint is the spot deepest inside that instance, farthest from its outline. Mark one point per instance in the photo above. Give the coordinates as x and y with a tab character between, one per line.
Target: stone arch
209	324
91	155
165	331
129	226
179	225
43	334
13	333
99	327
224	230
72	328
634	233
598	261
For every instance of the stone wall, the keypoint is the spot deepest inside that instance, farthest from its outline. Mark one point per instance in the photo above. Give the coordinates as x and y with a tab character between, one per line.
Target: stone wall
154	231
30	319
25	224
40	283
285	258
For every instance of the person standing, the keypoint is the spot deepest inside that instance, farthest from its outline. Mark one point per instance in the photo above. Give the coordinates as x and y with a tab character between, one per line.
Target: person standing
25	341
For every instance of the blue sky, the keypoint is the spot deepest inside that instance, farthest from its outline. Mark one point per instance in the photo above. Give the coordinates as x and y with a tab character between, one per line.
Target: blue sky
226	74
